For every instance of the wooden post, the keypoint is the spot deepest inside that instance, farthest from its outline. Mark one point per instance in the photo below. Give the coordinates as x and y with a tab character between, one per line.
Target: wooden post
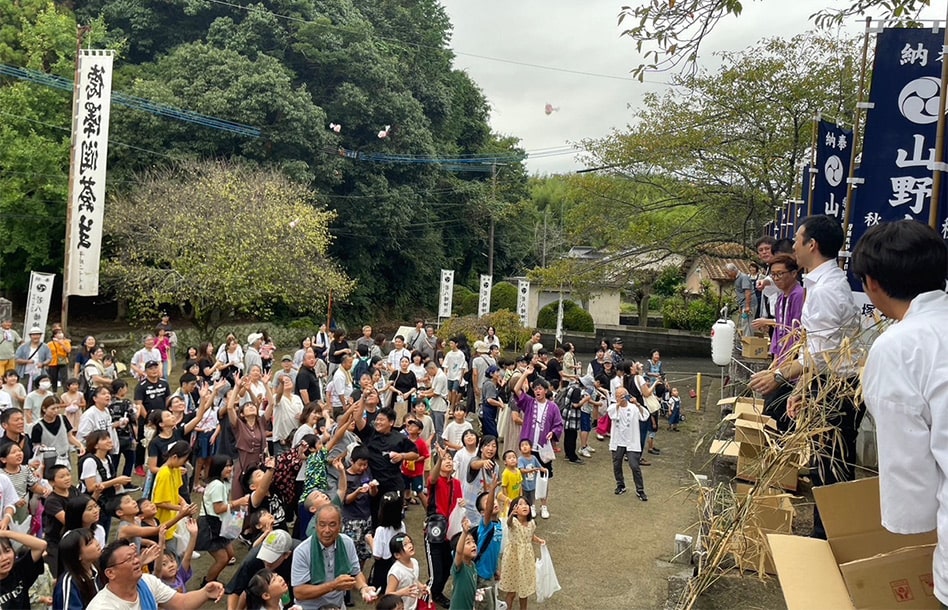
939	143
698	394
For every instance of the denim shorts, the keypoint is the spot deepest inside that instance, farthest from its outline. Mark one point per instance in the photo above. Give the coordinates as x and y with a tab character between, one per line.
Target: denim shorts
454	385
585	422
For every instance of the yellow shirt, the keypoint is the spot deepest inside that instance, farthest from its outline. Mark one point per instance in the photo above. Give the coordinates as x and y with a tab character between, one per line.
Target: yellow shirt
512	482
168	482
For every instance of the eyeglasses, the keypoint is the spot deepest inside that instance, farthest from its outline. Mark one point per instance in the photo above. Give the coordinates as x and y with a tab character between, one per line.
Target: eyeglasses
779	274
118	563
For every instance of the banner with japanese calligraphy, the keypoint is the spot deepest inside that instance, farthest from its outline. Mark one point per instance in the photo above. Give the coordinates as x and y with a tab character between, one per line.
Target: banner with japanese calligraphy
446	297
90	143
483	300
37	301
523	295
834	147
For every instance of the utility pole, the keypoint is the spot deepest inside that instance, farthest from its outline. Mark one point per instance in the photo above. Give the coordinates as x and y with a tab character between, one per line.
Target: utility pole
493	206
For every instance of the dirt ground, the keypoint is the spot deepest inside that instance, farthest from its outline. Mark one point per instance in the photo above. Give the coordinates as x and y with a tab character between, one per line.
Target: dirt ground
614	552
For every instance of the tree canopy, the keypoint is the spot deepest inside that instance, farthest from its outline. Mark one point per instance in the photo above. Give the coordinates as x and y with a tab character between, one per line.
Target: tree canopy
220	240
290	68
669	33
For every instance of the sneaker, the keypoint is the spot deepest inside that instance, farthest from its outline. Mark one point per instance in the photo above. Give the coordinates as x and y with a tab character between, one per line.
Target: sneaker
195	555
544	512
139	471
533	512
442	601
132	489
577	462
655	451
642	496
585	453
590	449
620	490
598	437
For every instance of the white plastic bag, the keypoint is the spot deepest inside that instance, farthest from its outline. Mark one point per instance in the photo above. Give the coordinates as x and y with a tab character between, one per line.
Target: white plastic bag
547	584
232	522
499	604
504	538
455	519
182	537
543	483
546	453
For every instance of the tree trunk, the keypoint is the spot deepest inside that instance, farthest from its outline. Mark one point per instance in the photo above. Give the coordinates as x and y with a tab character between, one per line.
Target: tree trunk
643	304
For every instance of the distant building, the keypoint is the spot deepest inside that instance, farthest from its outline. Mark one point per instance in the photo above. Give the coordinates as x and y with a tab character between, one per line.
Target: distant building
709	265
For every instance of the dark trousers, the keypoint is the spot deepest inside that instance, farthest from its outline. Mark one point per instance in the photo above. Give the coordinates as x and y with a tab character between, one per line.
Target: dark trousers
618	455
489	420
439	565
775	405
834	455
129	455
569	444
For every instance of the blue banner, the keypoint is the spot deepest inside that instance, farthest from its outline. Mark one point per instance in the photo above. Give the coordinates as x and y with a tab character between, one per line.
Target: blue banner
834	147
899	145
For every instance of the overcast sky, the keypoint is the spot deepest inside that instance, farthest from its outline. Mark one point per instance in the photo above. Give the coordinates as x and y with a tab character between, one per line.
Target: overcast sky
583	36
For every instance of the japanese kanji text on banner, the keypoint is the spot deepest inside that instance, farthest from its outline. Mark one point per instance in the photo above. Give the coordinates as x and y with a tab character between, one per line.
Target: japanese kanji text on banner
899	144
37	303
833	151
90	138
483	301
446	296
523	292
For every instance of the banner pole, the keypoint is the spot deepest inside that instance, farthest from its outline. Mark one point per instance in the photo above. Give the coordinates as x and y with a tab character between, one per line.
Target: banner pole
939	141
857	116
813	160
81	32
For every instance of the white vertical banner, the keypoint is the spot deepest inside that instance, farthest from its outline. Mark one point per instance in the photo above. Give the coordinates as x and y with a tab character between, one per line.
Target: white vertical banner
559	320
446	296
523	292
483	301
90	146
37	302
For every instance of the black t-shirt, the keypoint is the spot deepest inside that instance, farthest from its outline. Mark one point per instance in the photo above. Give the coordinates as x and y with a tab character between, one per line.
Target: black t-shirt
15	588
307	380
159	447
52	505
123	408
36	434
152	395
389	475
250	566
402	381
334	347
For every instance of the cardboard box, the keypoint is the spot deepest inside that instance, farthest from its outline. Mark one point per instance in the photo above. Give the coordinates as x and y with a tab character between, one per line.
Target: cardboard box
752	460
750	447
861	566
755	348
771	513
742	404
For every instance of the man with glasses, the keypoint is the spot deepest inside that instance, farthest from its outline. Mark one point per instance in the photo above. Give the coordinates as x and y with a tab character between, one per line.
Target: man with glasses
128	589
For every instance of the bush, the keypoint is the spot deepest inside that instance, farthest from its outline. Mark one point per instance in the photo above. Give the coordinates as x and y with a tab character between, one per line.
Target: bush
464	302
575	318
695	313
503	296
507	323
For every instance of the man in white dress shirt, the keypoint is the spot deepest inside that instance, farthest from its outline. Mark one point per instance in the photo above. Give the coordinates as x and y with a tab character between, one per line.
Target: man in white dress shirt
903	266
829	316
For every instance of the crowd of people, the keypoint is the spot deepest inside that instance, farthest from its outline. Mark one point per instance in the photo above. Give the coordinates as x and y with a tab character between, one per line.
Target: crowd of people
312	460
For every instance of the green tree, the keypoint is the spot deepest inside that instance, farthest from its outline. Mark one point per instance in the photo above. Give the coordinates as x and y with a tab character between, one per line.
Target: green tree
574	317
671	32
222	240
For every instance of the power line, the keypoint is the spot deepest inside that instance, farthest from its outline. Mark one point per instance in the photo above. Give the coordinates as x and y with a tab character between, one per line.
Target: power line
419	45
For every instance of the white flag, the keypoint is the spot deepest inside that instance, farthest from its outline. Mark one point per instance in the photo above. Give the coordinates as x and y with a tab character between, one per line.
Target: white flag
447	293
559	320
483	302
523	292
37	303
90	142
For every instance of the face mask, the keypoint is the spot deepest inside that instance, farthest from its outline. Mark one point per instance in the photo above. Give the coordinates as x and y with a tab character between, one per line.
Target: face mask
45	385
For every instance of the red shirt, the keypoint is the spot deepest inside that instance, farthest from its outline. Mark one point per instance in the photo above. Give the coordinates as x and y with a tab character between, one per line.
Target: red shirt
416	468
441	492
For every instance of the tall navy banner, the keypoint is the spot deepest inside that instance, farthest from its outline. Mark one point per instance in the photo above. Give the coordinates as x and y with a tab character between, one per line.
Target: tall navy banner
804	194
899	145
834	147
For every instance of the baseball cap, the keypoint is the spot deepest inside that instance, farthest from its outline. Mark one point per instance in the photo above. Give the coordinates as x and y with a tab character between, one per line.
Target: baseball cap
491	370
617	340
254	337
274	545
286	358
151	363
